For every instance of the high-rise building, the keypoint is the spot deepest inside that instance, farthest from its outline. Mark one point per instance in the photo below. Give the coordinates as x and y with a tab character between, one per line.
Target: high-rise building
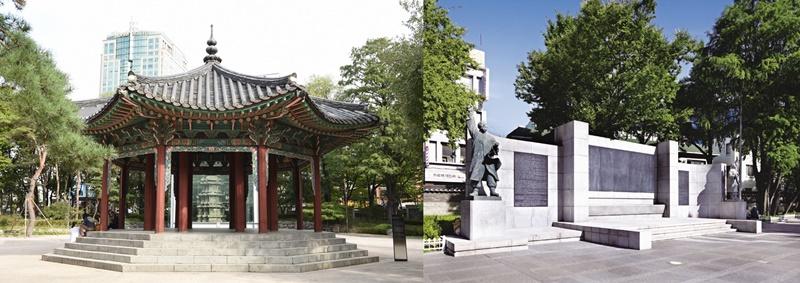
152	54
445	174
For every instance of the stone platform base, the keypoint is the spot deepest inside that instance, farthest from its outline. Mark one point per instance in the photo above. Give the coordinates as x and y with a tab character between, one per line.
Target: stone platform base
639	235
210	250
512	240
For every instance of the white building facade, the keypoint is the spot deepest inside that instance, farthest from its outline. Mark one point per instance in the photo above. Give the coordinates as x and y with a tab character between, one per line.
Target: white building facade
152	54
444	165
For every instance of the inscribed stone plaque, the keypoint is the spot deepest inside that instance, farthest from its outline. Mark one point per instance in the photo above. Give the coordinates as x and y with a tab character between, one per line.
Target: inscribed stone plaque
613	170
683	187
530	180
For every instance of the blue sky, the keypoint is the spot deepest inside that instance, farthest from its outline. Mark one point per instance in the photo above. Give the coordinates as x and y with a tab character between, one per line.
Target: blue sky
507	30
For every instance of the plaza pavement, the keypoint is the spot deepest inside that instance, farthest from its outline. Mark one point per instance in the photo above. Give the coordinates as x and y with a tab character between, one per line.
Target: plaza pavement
20	261
773	256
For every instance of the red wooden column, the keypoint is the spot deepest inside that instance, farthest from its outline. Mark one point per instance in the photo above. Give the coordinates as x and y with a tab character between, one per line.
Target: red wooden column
149	192
184	163
298	193
191	188
262	154
231	191
317	184
273	193
161	160
239	225
104	198
123	193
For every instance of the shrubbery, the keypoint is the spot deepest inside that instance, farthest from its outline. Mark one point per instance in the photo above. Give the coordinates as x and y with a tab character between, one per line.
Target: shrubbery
436	225
61	211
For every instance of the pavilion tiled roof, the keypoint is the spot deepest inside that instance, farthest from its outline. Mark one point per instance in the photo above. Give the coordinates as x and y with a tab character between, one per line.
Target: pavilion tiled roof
212	105
212	87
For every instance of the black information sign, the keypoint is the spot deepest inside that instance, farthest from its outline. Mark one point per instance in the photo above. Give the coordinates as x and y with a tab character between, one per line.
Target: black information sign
530	180
399	238
683	187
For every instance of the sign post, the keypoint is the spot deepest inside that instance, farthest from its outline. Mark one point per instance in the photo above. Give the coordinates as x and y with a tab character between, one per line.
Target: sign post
399	238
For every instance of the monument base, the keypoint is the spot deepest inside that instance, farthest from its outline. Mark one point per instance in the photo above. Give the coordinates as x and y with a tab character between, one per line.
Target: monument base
482	198
482	218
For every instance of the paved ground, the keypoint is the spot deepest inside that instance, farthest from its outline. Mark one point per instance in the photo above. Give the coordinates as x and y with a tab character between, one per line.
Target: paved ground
20	261
727	257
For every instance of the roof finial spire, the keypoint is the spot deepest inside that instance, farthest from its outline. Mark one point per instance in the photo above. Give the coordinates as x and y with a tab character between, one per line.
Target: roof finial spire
131	75
212	49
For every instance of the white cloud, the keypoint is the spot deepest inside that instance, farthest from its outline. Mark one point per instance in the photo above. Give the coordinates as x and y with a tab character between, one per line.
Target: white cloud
254	37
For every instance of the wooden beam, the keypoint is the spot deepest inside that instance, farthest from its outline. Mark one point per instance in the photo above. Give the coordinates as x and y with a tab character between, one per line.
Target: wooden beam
149	192
123	193
161	159
104	197
317	184
298	193
262	153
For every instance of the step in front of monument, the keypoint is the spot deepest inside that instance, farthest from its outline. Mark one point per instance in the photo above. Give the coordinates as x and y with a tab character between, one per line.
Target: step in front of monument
647	210
640	234
512	240
284	251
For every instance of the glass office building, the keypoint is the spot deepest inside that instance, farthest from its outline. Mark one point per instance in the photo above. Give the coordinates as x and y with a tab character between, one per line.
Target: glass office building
153	54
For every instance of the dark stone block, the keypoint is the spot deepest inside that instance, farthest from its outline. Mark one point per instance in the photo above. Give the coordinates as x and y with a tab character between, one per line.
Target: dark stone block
530	180
613	170
683	187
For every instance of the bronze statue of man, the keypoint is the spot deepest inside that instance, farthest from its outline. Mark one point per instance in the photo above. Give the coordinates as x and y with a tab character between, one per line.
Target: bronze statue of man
485	160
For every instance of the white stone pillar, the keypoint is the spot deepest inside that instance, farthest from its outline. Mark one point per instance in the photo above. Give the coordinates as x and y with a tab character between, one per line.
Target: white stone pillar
573	189
667	177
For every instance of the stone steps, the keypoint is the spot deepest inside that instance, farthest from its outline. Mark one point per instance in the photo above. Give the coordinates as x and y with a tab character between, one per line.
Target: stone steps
207	252
316	257
677	229
211	267
692	233
103	248
99	264
616	210
313	266
200	244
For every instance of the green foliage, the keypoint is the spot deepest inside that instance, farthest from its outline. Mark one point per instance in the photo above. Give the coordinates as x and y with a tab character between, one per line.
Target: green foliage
322	86
61	211
446	102
371	228
45	127
610	67
753	56
10	23
384	74
381	228
331	212
437	225
431	228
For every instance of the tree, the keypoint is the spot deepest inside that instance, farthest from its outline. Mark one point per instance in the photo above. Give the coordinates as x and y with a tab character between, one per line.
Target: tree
712	111
36	90
322	86
10	24
753	60
386	75
445	59
608	66
78	154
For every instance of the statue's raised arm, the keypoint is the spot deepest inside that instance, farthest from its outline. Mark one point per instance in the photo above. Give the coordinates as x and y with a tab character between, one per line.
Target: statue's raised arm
472	126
